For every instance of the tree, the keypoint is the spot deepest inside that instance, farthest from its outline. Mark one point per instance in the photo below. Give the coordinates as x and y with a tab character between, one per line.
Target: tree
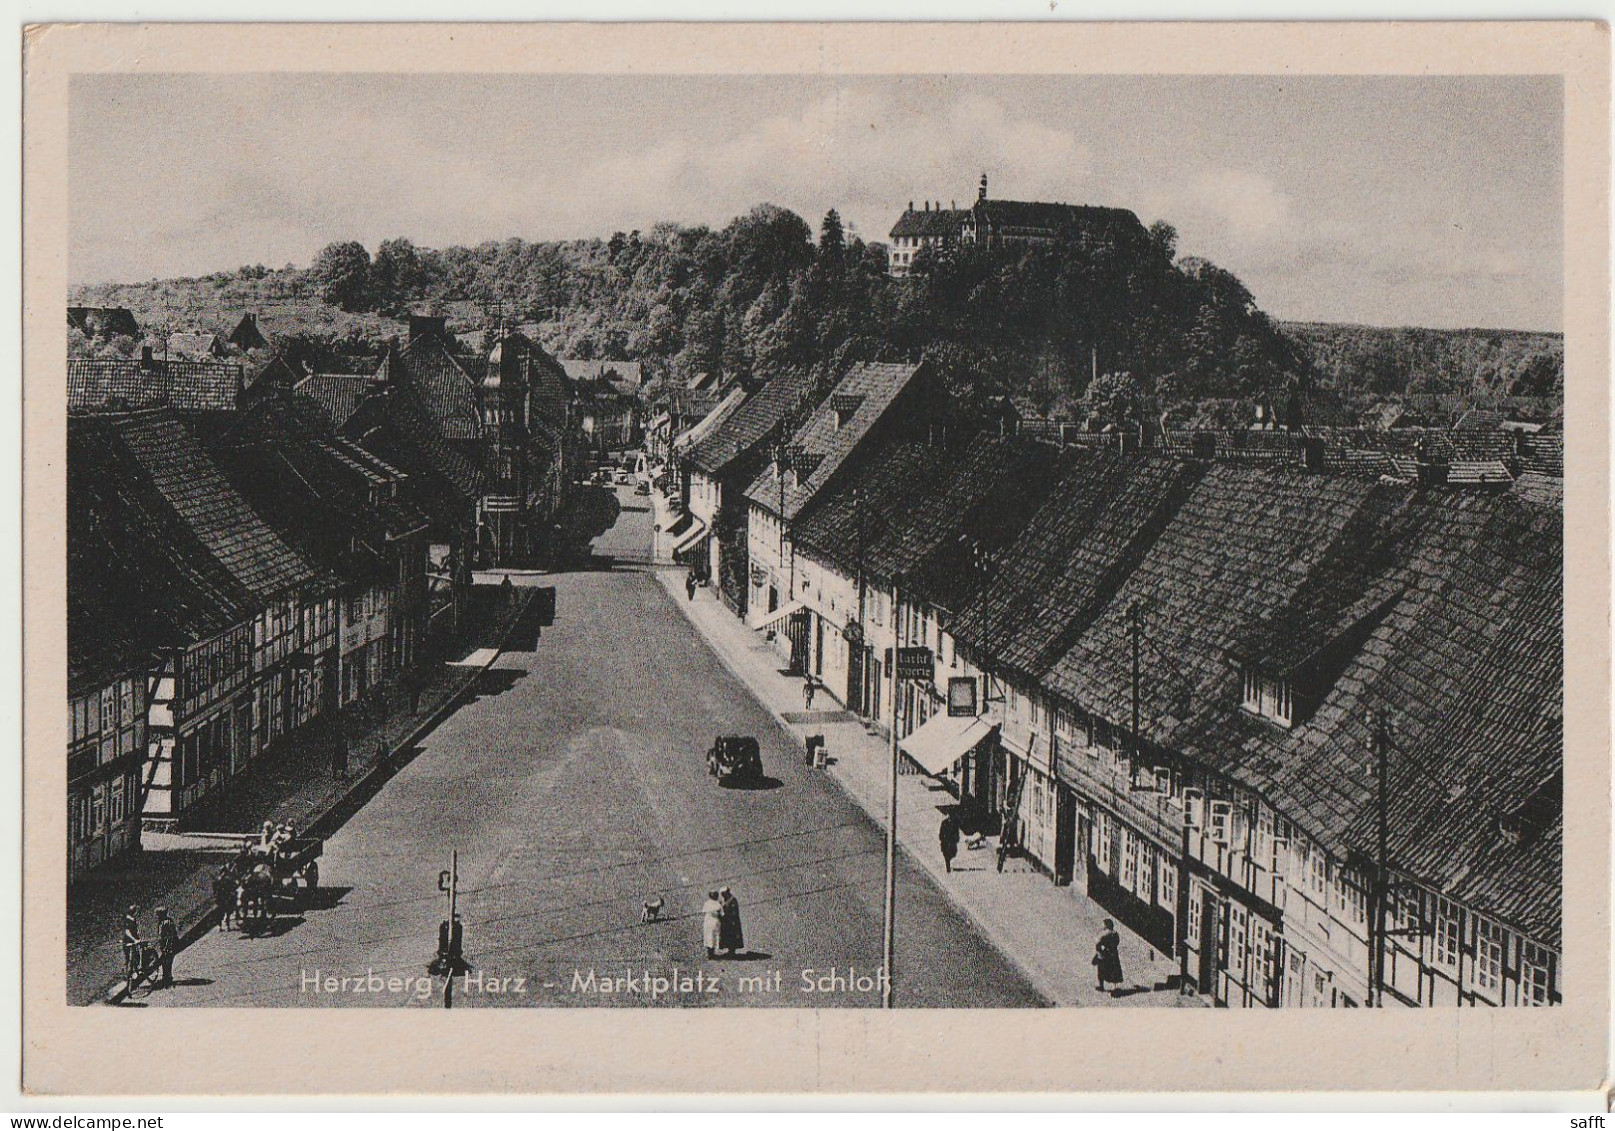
1165	238
1114	400
398	272
832	238
341	273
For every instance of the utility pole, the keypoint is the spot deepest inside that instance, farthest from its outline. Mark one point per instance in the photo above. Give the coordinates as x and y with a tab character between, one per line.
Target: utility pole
1135	629
888	940
1382	729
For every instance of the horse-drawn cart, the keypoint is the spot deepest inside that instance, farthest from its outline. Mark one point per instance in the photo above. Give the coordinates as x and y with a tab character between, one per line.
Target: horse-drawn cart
270	875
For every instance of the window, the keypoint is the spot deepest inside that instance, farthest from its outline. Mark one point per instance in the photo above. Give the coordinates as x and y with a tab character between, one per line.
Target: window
1318	872
1352	903
1129	876
1168	894
1444	942
1237	940
1222	815
1261	978
1194	919
1535	971
1101	829
1194	806
1488	956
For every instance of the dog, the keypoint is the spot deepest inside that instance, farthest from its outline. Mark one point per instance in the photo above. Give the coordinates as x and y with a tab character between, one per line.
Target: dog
652	910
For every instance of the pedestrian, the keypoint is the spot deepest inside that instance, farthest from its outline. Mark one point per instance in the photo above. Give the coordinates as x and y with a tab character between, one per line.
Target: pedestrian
224	896
131	945
808	690
1107	958
948	838
339	757
689	584
508	590
731	937
711	921
167	944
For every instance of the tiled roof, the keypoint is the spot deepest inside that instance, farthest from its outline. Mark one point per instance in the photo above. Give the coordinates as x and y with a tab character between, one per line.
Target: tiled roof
1096	521
1052	217
827	446
169	458
138	577
198	345
334	502
941	223
394	428
623	376
103	321
713	420
1459	595
753	422
247	334
337	395
185	385
906	509
445	391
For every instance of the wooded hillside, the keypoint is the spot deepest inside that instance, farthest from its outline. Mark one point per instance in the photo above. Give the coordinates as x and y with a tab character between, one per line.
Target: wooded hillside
766	293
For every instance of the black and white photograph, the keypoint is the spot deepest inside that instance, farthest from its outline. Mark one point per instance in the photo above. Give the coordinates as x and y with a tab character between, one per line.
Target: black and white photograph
821	541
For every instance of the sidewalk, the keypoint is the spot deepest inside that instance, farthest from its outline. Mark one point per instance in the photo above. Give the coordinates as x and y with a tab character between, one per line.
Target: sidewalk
292	783
1049	932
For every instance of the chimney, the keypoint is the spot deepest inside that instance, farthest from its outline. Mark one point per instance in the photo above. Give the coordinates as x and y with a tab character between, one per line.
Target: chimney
982	195
911	206
252	319
145	357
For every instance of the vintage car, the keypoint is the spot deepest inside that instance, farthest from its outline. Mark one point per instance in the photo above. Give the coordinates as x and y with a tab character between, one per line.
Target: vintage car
735	758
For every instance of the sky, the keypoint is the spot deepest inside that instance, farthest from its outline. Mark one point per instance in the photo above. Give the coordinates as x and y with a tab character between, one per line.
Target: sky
1429	201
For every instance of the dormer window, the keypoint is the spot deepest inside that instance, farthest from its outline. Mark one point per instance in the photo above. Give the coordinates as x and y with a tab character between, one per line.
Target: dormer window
1270	698
844	406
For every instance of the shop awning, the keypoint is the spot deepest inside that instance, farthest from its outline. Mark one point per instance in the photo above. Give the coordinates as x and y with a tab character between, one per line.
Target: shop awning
691	536
944	739
780	614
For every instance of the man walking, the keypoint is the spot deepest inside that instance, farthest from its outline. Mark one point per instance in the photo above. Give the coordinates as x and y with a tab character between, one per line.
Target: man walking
809	688
167	944
689	584
948	837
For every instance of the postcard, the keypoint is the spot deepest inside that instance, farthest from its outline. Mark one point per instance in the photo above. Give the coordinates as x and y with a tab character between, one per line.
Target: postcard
816	558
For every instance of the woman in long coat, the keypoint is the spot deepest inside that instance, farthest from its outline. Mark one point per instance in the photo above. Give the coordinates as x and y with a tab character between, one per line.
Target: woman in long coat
1107	955
730	937
711	921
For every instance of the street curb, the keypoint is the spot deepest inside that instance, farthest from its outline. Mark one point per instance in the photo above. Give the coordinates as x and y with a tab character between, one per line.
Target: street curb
375	777
993	935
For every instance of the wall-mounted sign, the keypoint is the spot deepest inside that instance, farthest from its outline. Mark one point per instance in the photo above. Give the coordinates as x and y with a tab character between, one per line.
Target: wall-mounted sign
915	663
962	696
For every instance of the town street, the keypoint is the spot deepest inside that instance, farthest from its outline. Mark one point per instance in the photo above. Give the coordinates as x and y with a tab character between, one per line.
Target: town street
574	788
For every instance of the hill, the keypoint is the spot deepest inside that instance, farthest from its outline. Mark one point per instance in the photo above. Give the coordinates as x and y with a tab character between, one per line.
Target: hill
762	294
